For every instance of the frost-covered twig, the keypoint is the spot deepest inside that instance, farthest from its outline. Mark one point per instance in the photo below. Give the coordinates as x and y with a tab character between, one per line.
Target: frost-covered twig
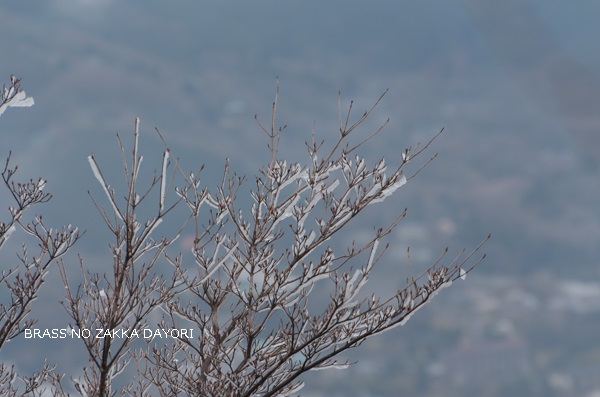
13	96
252	300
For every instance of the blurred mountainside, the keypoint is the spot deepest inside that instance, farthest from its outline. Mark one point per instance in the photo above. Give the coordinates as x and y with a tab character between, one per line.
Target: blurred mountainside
510	162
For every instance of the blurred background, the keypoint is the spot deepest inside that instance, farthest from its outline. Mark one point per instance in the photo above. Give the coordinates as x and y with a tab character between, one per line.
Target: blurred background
515	84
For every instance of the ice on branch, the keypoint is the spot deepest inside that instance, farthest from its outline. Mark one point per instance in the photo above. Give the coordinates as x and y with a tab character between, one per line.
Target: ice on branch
406	155
154	226
20	99
388	191
163	179
7	235
331	366
216	263
105	186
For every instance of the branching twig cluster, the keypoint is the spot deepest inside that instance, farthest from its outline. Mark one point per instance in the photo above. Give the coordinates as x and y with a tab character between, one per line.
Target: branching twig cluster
257	271
24	281
271	296
123	298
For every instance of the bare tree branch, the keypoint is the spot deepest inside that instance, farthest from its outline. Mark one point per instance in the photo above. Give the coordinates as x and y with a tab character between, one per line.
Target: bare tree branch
267	291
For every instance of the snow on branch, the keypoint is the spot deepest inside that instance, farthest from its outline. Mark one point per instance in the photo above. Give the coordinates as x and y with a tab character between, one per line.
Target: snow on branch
105	186
163	179
263	322
13	96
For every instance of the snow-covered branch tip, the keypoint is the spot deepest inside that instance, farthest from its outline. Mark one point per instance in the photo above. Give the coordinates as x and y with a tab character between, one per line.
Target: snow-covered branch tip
13	96
248	288
163	179
105	186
